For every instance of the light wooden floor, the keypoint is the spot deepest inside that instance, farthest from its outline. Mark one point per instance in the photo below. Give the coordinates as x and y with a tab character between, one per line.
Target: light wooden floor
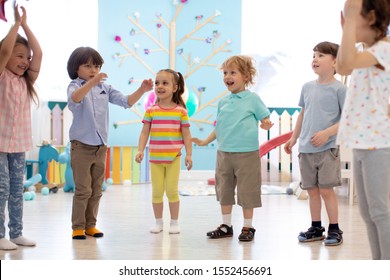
126	216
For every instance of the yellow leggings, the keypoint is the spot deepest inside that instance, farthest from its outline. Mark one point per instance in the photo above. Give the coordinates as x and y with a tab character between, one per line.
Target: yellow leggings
165	177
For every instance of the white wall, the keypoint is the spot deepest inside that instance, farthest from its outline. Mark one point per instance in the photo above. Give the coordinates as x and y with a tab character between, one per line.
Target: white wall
281	35
60	26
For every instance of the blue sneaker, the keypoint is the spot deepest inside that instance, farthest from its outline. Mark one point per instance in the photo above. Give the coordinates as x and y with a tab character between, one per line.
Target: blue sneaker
334	238
312	234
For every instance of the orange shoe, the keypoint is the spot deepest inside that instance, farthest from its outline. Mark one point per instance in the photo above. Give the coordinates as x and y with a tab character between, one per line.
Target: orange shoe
93	232
78	234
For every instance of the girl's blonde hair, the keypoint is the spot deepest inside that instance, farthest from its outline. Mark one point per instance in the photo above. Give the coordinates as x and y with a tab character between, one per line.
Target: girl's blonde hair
245	65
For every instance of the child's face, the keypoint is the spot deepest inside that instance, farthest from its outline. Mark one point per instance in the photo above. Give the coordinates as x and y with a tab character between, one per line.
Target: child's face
88	70
323	64
234	80
164	86
19	60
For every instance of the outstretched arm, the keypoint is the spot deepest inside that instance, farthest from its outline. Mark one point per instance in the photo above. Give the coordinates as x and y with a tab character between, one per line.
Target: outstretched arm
205	142
146	86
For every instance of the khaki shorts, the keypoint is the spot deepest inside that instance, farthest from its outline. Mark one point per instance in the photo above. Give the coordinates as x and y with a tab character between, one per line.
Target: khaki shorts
242	170
320	169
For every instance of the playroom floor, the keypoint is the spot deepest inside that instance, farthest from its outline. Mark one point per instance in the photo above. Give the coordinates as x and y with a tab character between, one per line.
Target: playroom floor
126	216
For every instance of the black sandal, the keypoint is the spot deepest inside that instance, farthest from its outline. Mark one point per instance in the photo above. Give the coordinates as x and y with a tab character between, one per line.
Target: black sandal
221	232
247	234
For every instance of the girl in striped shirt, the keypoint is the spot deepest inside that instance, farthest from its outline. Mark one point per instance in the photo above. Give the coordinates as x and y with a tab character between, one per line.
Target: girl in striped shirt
166	122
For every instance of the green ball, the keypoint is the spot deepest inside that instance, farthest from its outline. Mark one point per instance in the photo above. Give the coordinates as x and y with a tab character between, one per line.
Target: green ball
45	190
27	196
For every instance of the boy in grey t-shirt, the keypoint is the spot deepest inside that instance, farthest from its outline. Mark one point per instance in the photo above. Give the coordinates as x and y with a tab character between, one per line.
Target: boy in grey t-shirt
317	124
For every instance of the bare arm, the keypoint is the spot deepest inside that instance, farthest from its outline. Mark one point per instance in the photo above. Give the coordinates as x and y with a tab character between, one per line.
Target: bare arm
297	131
266	123
205	142
143	139
188	145
9	41
348	58
146	86
321	137
36	60
82	91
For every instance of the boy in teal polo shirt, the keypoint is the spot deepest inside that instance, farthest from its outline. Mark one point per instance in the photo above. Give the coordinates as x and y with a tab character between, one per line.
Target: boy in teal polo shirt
238	158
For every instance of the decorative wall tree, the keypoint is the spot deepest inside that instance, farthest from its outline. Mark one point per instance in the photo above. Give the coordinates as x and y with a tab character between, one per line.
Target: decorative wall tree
175	49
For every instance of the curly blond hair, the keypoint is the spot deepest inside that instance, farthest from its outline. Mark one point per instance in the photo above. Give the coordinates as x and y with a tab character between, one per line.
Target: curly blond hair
245	64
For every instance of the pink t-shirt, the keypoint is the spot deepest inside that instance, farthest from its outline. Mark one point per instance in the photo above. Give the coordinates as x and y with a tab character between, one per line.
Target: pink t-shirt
15	114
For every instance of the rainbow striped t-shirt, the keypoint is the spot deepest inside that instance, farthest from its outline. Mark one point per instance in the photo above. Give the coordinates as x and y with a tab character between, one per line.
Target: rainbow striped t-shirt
166	139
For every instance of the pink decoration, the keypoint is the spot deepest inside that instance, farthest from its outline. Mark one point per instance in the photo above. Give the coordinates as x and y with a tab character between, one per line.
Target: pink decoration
183	1
159	25
2	10
149	100
146	51
215	123
118	38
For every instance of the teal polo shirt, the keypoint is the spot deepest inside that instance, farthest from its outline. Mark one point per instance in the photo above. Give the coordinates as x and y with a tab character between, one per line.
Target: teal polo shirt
238	118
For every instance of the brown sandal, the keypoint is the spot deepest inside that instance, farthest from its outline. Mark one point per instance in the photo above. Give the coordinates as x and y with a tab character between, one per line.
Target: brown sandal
221	232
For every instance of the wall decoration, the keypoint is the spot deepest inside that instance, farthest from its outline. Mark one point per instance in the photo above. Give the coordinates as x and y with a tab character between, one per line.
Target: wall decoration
191	37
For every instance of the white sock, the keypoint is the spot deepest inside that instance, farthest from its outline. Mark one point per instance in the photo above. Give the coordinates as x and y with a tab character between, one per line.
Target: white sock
7	245
158	227
23	241
248	223
227	219
174	227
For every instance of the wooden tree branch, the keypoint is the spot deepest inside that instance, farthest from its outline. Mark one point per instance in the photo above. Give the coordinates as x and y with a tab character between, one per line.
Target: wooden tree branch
210	56
136	56
209	20
148	34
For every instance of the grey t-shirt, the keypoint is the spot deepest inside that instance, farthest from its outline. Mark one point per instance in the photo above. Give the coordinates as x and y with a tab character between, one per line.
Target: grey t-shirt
322	104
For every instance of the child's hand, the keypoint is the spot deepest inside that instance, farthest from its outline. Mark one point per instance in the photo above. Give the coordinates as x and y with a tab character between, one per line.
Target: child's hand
147	85
139	157
319	138
198	142
188	162
289	145
266	124
99	78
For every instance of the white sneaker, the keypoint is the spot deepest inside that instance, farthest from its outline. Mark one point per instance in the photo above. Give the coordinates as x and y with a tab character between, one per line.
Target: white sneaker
174	229
23	241
5	244
156	228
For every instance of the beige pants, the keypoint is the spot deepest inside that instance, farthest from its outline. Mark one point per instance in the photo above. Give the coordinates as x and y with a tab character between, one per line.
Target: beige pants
88	166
